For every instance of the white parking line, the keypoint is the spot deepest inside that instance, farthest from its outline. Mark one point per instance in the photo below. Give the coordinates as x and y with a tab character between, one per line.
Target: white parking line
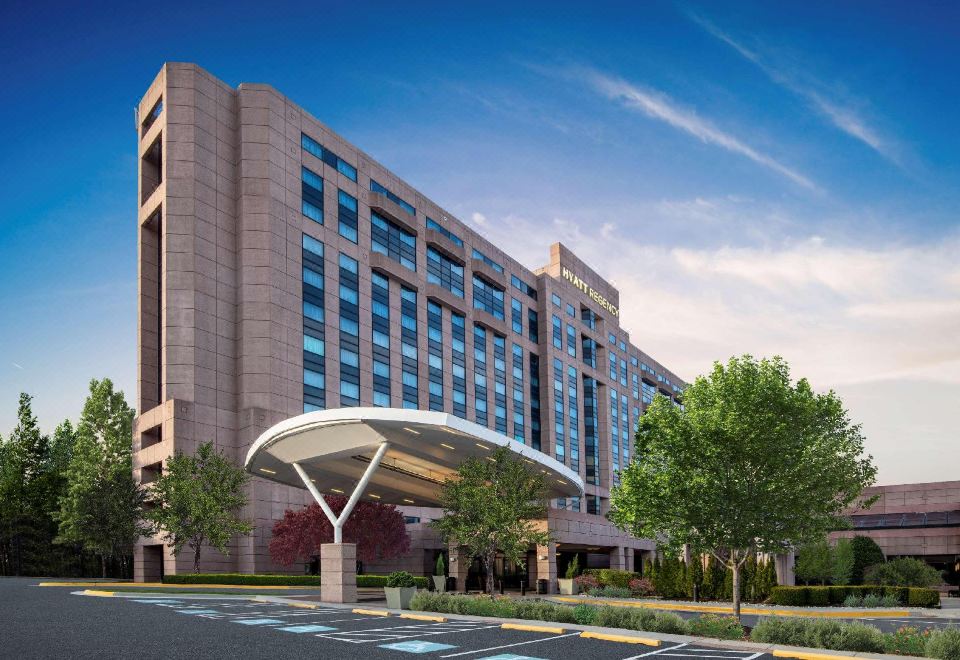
401	632
506	646
657	652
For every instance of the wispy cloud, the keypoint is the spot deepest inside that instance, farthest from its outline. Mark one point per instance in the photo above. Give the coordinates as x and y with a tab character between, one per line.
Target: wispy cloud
657	105
20	367
838	112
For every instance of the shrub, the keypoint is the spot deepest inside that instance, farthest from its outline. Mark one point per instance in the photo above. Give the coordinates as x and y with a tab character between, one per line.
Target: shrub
610	577
400	579
923	597
584	614
614	617
818	633
907	641
586	582
611	592
818	596
903	572
944	644
866	552
790	596
719	627
641	587
668	623
573	567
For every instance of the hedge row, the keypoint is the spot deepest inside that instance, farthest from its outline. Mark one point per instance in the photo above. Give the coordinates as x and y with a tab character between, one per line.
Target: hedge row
275	580
611	577
835	595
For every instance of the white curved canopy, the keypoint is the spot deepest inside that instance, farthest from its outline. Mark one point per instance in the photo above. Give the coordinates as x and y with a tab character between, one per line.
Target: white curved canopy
335	447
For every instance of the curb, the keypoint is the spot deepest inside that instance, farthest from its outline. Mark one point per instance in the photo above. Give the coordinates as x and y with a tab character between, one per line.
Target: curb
754	611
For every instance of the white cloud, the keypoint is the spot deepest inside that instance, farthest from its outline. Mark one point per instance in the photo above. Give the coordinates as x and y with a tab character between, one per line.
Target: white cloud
841	113
657	105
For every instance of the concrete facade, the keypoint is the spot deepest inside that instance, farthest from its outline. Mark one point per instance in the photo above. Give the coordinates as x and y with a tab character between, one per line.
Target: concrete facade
223	216
913	520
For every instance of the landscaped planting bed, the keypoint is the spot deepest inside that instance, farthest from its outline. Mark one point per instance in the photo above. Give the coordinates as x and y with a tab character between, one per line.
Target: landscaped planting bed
841	595
943	644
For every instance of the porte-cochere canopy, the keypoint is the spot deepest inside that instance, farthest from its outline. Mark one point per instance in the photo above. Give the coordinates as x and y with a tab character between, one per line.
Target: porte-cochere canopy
390	455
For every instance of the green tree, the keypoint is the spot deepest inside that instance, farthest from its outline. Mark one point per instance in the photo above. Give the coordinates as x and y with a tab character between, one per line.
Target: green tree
491	506
750	462
841	563
695	577
814	562
102	507
197	498
866	553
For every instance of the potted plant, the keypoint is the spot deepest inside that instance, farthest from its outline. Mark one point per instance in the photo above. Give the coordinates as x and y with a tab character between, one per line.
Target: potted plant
440	575
400	589
567	586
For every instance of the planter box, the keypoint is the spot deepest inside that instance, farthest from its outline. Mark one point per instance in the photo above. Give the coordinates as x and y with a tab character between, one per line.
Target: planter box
568	587
398	598
440	583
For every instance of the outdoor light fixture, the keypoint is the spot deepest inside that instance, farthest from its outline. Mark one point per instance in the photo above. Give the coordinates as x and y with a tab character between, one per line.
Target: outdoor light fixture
542	557
444	444
268	471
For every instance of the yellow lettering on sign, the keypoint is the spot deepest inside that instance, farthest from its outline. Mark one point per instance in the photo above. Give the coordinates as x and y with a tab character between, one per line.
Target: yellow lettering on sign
594	295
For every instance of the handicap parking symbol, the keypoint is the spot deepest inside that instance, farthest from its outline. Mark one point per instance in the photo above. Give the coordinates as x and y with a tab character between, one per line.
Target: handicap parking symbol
417	646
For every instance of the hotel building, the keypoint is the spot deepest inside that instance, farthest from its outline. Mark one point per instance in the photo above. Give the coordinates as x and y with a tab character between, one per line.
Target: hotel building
283	270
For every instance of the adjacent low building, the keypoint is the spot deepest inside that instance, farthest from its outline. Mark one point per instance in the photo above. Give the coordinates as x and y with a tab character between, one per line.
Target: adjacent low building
913	520
282	270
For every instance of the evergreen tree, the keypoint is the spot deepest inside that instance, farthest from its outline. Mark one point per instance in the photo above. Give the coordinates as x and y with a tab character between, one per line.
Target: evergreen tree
102	507
695	578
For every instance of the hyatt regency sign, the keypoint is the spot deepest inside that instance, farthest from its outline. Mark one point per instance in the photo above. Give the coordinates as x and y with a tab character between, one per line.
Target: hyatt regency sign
589	290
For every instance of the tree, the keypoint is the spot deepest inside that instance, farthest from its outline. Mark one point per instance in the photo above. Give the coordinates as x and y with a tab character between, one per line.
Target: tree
491	506
814	562
866	553
102	507
378	530
750	463
841	564
196	502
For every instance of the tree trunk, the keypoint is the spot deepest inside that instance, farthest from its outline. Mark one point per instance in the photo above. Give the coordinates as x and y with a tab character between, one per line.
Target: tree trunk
735	567
489	561
196	558
103	566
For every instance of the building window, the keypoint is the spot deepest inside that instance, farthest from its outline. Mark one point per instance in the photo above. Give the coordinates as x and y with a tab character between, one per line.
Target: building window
435	354
623	372
314	382
390	239
624	431
557	332
380	299
571	341
591	431
347	215
477	254
613	339
613	367
588	317
556	300
535	430
459	364
570	311
311	191
516	315
560	443
520	285
589	348
433	224
519	428
615	434
480	373
573	411
377	188
349	332
408	347
648	392
312	146
533	325
500	383
488	297
445	272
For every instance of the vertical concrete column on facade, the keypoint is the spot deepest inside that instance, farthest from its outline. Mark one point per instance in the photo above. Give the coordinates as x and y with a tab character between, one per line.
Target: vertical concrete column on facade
459	567
338	572
617	561
784	567
547	566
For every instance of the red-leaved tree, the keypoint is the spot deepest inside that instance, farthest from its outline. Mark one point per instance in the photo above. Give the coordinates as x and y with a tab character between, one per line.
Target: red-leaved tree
377	529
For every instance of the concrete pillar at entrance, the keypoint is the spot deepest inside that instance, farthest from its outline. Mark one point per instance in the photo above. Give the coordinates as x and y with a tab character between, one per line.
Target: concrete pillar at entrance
784	566
338	572
546	567
617	561
459	567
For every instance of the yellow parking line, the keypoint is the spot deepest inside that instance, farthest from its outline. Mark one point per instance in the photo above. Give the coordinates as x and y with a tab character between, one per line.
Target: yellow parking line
372	612
626	639
424	617
804	655
547	629
94	592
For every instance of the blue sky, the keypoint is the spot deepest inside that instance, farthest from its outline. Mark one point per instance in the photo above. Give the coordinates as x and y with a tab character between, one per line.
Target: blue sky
755	177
